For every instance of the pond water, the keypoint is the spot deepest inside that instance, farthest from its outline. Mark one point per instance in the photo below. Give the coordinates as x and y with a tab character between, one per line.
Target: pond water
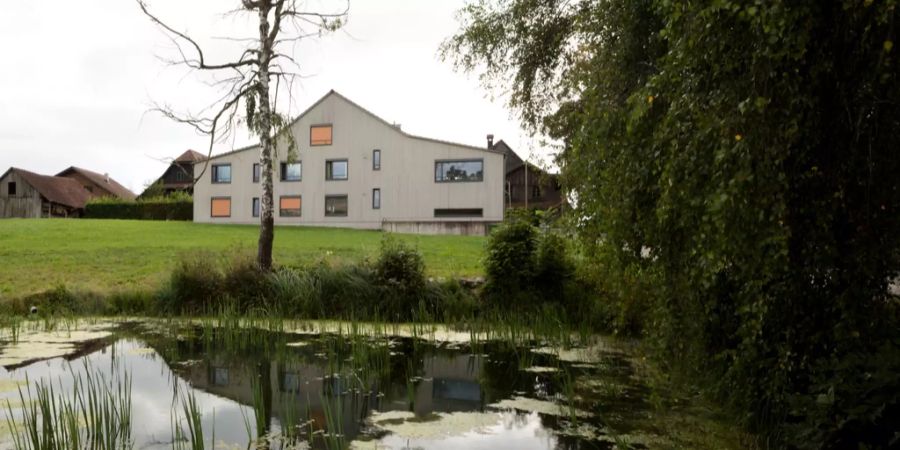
320	389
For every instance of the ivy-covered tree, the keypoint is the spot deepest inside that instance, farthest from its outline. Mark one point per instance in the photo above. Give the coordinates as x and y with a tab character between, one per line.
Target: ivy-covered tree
736	170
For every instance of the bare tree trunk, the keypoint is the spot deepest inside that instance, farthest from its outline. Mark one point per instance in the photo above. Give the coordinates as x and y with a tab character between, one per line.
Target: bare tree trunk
266	144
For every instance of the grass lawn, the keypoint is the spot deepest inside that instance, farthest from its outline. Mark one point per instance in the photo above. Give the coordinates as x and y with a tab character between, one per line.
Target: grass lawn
106	255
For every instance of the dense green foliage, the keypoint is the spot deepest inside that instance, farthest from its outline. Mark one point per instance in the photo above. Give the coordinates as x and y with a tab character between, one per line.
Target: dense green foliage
174	207
113	256
528	268
735	170
394	288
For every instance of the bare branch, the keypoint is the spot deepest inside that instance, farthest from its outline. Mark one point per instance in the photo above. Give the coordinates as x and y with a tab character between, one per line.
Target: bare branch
199	63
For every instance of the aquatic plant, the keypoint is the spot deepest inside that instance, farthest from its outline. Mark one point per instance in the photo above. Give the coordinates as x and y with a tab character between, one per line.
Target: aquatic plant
96	414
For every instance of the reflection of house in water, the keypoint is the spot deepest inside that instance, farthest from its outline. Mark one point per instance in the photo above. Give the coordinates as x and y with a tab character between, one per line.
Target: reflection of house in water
443	383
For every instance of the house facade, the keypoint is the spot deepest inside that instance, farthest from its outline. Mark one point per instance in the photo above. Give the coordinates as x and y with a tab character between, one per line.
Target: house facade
356	170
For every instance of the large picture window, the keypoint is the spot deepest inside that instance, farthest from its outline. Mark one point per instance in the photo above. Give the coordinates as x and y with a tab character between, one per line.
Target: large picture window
319	135
291	171
335	205
290	206
220	207
336	170
221	173
459	171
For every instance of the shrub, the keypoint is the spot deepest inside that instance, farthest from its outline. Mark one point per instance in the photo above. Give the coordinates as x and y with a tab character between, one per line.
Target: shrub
195	286
179	206
244	282
510	262
400	272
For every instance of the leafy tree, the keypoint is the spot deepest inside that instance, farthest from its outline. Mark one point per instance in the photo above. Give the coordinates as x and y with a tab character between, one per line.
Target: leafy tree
736	162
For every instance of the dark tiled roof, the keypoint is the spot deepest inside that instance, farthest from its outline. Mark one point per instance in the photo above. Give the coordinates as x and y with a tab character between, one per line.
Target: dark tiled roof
103	181
190	156
61	190
513	161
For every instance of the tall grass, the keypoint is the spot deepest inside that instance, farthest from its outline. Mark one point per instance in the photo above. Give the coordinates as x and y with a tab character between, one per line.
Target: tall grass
96	414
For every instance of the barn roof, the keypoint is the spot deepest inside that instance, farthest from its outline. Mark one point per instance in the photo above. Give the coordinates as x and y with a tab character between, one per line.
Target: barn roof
103	181
61	190
190	156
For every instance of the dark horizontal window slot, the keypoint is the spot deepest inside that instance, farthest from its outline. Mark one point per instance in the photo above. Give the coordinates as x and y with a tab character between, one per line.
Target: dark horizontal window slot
459	212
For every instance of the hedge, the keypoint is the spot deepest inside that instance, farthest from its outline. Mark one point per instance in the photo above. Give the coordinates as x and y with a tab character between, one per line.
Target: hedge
141	210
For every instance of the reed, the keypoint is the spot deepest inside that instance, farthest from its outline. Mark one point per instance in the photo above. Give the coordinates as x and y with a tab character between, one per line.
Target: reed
96	414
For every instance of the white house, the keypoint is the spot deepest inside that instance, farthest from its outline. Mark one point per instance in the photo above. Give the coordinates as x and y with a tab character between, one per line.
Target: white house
356	170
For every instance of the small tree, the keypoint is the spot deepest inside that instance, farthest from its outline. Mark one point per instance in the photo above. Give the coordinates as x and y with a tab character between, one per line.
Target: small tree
249	97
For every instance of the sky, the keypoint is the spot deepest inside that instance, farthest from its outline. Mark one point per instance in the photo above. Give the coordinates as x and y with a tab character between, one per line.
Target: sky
79	80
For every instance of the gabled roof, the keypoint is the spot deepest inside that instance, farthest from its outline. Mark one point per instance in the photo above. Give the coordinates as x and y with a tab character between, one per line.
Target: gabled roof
61	190
190	156
513	161
370	113
103	181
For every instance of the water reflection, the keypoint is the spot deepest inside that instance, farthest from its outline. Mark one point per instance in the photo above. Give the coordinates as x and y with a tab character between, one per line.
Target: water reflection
325	389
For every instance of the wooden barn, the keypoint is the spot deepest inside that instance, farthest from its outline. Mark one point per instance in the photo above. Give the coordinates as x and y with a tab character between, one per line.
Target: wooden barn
29	195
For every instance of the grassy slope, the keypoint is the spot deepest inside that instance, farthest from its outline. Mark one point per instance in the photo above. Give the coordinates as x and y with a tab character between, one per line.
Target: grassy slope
103	255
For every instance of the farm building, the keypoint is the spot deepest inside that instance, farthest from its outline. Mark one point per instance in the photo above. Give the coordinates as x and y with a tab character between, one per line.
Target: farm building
178	177
527	185
98	185
30	195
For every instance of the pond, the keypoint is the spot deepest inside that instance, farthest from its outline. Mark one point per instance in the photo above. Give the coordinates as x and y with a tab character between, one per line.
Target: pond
325	385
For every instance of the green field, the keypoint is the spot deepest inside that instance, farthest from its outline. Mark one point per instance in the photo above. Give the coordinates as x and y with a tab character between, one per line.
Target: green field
109	255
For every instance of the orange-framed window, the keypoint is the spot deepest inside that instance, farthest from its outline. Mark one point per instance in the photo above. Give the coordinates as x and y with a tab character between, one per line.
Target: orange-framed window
220	207
320	135
290	205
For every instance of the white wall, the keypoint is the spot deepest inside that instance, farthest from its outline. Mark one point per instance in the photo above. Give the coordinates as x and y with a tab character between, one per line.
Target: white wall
406	179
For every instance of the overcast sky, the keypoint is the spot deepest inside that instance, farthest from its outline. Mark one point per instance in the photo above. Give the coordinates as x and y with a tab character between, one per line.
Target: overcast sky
79	77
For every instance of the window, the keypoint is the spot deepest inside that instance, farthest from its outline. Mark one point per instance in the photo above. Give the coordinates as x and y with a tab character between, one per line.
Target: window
89	188
255	207
291	171
456	171
458	212
221	173
335	205
319	135
535	192
376	159
336	170
376	198
220	207
11	188
289	205
257	171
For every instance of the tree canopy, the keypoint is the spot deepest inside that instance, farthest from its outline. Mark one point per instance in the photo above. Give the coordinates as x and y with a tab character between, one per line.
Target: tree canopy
736	166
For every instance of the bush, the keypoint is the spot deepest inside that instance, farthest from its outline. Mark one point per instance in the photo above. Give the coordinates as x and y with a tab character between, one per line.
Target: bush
176	207
195	286
400	272
510	262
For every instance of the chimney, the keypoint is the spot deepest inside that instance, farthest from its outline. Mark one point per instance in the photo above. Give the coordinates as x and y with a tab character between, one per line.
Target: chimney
490	139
